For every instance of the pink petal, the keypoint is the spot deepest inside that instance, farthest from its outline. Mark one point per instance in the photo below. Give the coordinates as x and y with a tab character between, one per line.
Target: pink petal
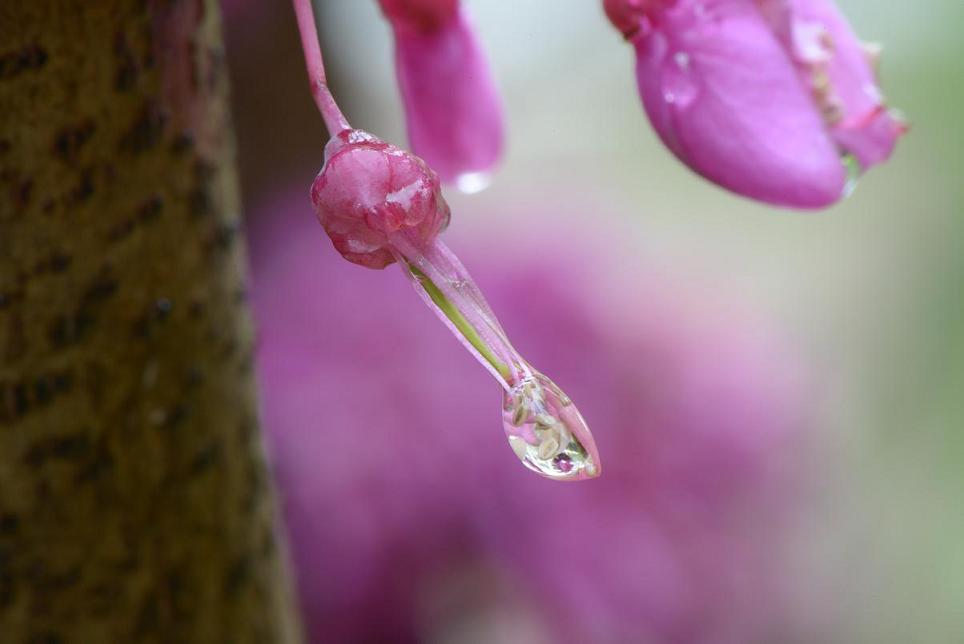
723	96
452	108
821	42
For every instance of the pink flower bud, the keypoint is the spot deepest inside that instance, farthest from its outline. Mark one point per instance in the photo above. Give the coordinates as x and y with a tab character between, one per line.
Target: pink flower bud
763	97
452	108
369	190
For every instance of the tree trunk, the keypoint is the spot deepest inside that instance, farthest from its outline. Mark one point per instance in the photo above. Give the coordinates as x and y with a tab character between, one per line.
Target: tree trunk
134	500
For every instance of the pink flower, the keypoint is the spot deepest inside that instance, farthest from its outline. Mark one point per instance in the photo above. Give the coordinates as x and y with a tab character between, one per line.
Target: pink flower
762	97
452	108
380	204
408	519
369	191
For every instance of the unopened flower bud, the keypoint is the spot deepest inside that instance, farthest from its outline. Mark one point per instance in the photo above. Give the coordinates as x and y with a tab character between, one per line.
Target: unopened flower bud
369	190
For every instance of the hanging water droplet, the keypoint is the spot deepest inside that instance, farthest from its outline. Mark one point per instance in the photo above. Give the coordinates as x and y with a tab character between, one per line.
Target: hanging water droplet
544	428
472	182
852	165
547	432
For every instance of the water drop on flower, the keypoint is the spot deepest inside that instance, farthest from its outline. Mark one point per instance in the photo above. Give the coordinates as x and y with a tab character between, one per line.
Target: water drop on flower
854	170
547	432
678	84
472	182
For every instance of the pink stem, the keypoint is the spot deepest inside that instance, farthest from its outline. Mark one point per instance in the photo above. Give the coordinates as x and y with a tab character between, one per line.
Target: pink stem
335	121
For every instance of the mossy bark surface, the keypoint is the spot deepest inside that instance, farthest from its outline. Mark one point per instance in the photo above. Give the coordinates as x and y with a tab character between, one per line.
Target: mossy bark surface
135	505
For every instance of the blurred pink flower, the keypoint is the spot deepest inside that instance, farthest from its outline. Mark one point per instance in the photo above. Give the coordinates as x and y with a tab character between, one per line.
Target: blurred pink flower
762	97
452	107
410	521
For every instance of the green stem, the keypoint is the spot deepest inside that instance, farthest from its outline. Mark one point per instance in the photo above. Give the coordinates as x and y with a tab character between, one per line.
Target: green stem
452	312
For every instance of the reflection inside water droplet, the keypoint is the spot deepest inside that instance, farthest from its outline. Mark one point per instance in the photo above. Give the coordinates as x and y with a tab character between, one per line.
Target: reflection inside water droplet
547	432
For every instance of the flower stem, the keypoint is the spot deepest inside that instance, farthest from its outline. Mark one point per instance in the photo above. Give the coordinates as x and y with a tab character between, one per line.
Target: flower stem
458	320
446	286
334	119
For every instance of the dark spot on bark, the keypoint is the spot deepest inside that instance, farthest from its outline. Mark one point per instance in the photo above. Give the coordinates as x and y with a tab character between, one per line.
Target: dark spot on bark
163	308
48	206
9	523
22	193
10	297
105	597
146	130
196	309
5	146
84	188
201	203
7	590
15	63
177	416
63	381
194	377
120	230
204	459
59	262
67	329
224	236
204	171
63	331
96	467
101	289
238	575
147	618
183	143
69	447
21	403
150	209
45	580
47	637
159	311
43	392
127	71
69	140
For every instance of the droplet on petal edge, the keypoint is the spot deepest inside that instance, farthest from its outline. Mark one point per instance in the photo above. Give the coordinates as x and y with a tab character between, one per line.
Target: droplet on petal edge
854	171
472	182
547	432
678	85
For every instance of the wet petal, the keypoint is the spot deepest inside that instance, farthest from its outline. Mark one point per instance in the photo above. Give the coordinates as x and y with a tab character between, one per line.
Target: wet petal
452	108
724	97
839	69
368	190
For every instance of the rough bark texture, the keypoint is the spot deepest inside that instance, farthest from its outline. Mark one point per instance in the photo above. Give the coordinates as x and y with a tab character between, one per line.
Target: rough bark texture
134	500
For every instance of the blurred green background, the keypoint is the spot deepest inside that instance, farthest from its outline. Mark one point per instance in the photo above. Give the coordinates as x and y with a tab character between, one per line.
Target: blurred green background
872	289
